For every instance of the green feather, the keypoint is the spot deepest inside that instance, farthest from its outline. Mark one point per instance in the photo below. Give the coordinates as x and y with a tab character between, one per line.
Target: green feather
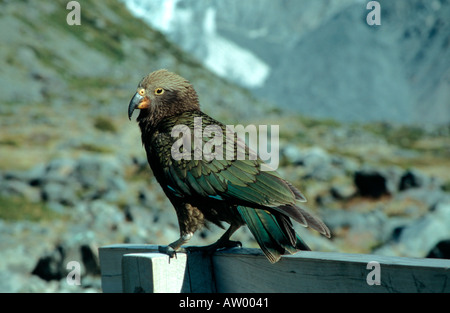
245	167
178	182
243	176
258	230
272	231
228	175
216	183
278	185
274	197
248	194
195	169
194	185
205	185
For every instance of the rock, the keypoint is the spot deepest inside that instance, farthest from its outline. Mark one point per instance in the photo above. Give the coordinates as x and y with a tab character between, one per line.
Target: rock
54	264
58	170
375	222
315	157
342	191
430	195
17	188
292	154
62	193
66	181
441	250
375	183
315	161
410	180
51	266
371	184
309	157
100	177
89	256
346	165
419	237
413	178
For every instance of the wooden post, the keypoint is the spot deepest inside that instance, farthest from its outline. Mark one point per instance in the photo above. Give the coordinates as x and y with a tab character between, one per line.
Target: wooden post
140	268
147	270
111	263
154	273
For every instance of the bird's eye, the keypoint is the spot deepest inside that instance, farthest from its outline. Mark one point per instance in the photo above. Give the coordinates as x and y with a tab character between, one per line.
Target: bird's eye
159	91
141	92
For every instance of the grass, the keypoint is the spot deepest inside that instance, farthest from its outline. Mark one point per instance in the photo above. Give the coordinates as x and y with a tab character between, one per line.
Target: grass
89	147
405	136
9	142
19	209
104	124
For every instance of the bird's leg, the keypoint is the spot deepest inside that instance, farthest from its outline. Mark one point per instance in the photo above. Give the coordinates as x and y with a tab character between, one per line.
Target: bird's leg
222	242
171	249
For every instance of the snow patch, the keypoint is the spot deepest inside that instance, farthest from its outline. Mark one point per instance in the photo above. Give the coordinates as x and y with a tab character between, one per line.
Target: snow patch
224	57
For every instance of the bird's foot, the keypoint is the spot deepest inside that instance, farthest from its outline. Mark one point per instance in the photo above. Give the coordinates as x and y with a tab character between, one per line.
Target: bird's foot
210	249
171	249
230	244
171	252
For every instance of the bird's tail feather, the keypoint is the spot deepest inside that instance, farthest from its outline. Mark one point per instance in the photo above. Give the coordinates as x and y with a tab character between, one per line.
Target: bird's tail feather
273	232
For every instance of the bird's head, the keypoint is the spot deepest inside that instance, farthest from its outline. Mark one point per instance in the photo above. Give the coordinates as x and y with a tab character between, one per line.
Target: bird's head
163	93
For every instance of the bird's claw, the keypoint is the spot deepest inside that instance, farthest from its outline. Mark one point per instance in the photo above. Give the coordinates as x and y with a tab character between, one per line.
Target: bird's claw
168	250
232	244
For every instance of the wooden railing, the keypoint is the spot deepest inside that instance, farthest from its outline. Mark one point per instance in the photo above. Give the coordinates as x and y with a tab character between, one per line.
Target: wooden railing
140	268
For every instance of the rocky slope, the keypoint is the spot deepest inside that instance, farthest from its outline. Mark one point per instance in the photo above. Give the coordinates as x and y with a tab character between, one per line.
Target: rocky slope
73	174
321	56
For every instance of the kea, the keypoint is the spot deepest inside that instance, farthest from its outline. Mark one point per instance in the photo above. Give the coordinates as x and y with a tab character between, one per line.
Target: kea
213	188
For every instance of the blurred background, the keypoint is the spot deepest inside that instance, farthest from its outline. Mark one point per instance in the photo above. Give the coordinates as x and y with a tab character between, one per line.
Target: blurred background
364	116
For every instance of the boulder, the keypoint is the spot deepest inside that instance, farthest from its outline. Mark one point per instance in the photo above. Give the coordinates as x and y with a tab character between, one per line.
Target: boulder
374	183
441	250
419	237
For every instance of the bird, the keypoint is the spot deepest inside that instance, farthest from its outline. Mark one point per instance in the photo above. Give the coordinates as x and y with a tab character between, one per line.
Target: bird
214	189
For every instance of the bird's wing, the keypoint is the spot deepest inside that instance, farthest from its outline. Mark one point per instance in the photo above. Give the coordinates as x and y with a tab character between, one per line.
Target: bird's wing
225	175
240	182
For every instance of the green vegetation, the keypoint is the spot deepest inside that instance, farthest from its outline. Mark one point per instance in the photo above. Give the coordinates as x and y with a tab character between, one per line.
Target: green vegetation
402	136
89	147
104	124
9	142
19	209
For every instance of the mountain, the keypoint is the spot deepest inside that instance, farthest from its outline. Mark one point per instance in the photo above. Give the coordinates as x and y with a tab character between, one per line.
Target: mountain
320	57
59	76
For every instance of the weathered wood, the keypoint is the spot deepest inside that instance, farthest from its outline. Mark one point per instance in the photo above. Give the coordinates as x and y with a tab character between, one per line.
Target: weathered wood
247	270
111	263
309	271
154	273
185	273
201	273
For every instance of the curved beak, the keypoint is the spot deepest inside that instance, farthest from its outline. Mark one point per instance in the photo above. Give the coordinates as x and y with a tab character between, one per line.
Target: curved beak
137	102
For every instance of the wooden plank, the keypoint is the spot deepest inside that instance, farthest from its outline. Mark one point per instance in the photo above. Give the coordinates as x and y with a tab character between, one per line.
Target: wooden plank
199	269
155	273
201	273
111	263
247	270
